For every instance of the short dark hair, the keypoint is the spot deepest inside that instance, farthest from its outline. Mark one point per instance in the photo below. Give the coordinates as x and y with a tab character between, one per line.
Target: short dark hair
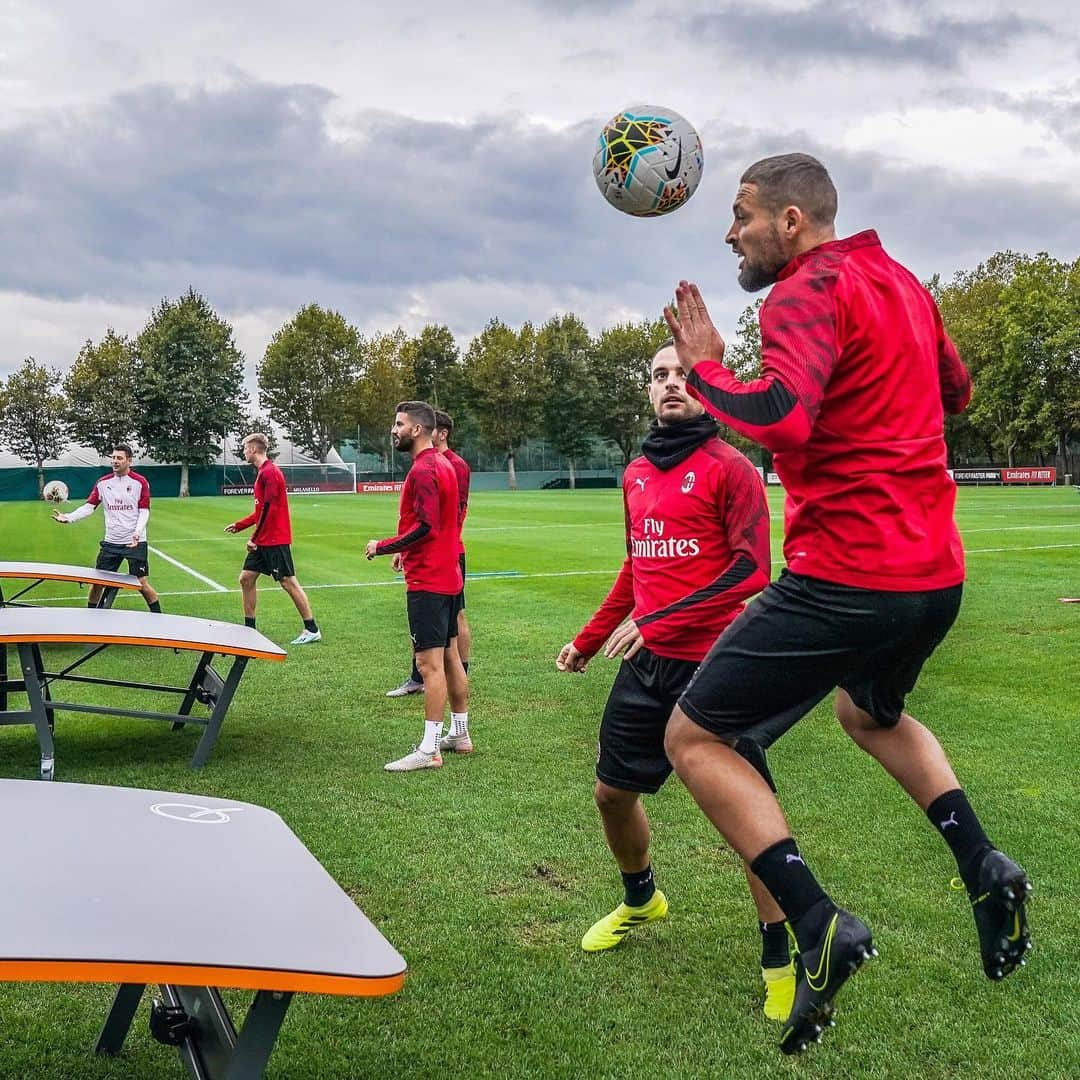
444	421
123	448
794	180
667	343
420	412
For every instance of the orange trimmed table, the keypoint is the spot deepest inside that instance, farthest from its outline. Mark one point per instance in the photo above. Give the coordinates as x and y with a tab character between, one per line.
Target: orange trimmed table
193	893
38	572
31	630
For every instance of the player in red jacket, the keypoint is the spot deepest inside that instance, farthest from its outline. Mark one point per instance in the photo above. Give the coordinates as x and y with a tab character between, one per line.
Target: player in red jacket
414	683
857	372
425	549
269	551
697	546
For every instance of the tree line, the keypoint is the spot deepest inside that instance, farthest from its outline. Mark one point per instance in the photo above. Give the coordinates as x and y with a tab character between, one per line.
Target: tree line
176	390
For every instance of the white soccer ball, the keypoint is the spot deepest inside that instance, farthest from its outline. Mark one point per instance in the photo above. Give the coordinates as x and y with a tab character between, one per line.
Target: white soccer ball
55	491
648	160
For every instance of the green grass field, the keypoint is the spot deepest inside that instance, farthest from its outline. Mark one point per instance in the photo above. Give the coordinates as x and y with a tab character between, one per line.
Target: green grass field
485	873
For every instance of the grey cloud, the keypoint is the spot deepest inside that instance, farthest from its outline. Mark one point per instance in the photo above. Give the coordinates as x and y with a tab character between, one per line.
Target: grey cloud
244	193
843	32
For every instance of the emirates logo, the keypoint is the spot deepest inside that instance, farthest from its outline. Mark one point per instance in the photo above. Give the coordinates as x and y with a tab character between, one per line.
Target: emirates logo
688	482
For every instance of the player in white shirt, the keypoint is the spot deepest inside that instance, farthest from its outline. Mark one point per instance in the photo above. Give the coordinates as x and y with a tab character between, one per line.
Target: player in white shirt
126	498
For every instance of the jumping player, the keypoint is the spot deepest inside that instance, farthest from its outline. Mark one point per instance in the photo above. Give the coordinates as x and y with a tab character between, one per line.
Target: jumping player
697	546
857	373
426	550
269	550
125	495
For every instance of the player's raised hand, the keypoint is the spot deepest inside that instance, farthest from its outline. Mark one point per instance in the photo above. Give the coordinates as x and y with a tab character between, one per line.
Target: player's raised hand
58	516
692	329
569	659
627	640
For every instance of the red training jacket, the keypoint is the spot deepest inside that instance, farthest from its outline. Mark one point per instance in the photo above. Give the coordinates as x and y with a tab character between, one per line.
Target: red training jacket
271	514
857	375
428	535
697	543
463	474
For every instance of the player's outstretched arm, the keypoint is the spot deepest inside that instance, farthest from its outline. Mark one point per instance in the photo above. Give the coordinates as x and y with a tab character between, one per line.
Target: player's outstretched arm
75	515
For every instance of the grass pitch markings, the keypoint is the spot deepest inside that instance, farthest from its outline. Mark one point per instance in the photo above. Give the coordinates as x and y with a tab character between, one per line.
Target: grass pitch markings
187	570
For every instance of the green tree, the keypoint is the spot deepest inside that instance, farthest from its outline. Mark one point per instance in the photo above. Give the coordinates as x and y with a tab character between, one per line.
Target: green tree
621	358
506	385
33	415
248	423
564	349
387	379
743	356
101	388
436	366
190	383
307	377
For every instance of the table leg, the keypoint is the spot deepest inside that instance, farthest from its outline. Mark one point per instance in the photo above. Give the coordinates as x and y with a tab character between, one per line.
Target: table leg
217	716
32	668
118	1022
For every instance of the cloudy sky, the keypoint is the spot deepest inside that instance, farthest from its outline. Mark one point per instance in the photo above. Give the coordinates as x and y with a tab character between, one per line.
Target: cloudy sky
430	162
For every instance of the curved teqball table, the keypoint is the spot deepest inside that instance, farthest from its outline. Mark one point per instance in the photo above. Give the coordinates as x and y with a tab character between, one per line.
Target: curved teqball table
238	901
33	630
37	573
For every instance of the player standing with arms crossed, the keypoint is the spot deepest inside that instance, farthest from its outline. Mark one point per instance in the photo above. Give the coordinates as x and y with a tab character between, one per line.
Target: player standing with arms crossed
697	546
426	550
269	550
125	495
857	372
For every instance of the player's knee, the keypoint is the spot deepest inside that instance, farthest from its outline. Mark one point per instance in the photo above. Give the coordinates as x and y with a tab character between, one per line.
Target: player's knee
680	737
610	800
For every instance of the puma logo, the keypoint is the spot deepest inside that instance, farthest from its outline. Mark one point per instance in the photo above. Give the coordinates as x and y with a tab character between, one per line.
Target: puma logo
794	858
640	481
950	820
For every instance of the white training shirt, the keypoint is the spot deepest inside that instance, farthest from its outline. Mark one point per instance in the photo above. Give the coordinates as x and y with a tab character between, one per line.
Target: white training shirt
127	506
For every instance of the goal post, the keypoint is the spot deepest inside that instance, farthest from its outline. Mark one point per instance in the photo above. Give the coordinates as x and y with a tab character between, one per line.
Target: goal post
315	478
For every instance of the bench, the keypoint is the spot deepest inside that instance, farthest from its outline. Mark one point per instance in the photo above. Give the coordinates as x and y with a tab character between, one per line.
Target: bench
193	893
32	630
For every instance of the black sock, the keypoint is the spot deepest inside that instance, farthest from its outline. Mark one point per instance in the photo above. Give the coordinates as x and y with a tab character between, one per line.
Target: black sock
465	665
155	607
310	624
784	873
416	676
952	816
249	620
774	944
638	887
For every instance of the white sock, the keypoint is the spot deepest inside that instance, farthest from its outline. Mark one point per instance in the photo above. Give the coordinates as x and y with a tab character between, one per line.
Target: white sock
432	733
459	723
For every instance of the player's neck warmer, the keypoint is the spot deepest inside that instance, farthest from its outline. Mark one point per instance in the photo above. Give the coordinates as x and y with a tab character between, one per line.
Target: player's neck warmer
669	444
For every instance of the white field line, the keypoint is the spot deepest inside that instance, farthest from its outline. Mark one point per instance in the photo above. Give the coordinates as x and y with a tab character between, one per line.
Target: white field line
473	582
187	569
1020	528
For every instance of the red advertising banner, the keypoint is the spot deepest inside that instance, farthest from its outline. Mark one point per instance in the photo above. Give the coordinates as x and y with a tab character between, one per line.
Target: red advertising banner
1029	476
378	487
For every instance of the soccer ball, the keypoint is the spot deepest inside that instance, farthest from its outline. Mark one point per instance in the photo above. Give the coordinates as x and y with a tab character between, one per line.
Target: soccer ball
648	161
55	491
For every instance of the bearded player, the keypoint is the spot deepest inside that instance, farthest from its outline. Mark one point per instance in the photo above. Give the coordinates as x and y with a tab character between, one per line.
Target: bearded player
697	548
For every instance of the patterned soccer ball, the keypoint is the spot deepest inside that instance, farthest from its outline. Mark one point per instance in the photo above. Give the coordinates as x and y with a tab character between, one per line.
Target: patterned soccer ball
55	491
648	161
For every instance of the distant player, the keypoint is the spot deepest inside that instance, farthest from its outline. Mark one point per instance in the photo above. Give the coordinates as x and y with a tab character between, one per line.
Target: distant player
444	428
697	540
125	495
269	550
426	549
857	373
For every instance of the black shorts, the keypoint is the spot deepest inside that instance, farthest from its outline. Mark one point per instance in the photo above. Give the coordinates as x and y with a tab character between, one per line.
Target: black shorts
112	555
432	619
274	560
801	638
631	751
461	595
